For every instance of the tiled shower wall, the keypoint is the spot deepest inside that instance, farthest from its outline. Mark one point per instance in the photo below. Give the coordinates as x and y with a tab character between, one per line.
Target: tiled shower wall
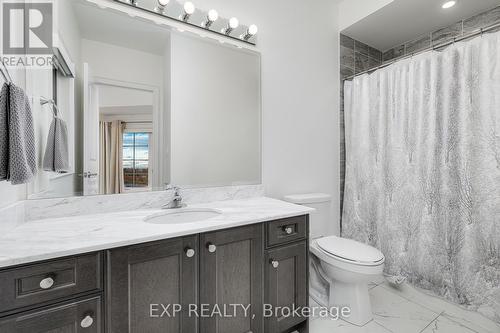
356	57
444	35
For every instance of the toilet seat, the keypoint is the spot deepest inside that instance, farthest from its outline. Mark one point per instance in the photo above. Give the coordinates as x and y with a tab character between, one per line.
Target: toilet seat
350	251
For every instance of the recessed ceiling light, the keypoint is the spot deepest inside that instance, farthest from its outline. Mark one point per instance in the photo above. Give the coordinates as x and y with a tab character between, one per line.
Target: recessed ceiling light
449	4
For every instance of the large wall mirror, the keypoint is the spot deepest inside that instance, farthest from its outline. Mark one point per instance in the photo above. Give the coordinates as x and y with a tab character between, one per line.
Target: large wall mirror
144	106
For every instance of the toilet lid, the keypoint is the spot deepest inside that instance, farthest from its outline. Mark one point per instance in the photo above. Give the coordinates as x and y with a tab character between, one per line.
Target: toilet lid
350	250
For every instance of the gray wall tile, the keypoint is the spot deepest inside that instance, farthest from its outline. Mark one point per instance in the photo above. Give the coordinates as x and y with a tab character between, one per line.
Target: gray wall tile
362	63
482	20
345	71
375	54
447	34
346	41
394	53
347	57
361	48
418	44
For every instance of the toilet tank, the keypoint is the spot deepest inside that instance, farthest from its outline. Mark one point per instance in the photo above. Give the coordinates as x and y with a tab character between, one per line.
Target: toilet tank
320	224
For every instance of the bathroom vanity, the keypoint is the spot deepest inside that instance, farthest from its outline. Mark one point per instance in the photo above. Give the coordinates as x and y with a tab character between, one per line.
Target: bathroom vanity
253	256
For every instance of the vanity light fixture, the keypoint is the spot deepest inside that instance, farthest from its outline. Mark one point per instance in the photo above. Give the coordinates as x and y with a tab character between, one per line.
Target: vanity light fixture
251	31
449	4
212	16
231	25
204	21
188	11
160	8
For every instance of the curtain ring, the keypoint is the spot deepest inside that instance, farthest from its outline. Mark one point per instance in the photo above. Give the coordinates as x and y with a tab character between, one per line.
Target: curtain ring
482	30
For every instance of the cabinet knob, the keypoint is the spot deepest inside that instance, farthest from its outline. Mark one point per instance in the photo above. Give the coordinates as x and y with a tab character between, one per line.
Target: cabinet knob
87	321
190	252
47	283
275	263
288	230
211	248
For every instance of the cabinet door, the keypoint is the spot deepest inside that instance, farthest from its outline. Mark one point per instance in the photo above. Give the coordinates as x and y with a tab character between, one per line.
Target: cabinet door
231	273
286	285
77	317
144	279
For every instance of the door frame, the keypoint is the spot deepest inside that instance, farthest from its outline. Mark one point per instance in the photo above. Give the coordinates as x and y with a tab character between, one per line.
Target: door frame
158	120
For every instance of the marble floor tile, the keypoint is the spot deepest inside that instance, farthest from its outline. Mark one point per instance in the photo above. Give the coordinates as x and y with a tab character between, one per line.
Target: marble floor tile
398	314
322	325
471	319
444	325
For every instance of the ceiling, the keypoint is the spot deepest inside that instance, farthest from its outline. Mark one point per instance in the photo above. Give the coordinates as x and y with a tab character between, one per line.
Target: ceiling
119	29
112	96
404	20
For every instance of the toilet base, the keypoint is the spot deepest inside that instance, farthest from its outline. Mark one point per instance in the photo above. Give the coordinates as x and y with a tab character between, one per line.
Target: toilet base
354	296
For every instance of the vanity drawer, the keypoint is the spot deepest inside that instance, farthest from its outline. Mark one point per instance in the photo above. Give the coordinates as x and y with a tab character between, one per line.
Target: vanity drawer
286	230
83	316
49	281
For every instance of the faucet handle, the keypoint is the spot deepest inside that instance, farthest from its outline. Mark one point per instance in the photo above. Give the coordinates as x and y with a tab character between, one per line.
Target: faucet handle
170	187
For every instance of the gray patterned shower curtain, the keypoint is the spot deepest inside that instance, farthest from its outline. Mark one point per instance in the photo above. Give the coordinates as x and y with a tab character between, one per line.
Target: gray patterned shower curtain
423	170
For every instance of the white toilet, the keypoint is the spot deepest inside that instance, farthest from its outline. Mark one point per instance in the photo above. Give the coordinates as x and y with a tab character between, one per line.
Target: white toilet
340	268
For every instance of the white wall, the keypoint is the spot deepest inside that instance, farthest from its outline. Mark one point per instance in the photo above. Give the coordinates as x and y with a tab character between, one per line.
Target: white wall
355	10
300	87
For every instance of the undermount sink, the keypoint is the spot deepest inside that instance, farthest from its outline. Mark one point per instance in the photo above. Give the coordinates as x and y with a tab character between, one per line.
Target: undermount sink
183	215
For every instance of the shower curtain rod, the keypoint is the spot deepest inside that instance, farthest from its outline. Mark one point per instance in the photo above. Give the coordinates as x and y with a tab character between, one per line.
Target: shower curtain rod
435	47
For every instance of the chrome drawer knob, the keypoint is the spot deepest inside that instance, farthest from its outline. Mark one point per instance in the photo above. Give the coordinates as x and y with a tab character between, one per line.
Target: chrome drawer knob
190	253
289	230
275	263
47	283
211	248
87	321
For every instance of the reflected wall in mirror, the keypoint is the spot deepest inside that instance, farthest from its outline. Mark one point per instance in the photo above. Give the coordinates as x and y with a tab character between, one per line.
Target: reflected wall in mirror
146	106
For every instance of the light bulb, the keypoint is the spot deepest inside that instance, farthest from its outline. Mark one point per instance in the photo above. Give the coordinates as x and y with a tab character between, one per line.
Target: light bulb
160	8
449	4
189	8
234	23
252	30
212	15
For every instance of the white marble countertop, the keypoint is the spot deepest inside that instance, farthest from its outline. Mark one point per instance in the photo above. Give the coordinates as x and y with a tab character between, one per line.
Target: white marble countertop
58	237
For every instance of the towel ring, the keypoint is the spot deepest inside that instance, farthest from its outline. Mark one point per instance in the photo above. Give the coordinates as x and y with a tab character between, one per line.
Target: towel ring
55	109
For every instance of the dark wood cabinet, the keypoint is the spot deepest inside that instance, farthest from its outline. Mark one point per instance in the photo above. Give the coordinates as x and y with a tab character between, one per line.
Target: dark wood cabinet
231	272
77	317
146	279
286	285
220	280
35	284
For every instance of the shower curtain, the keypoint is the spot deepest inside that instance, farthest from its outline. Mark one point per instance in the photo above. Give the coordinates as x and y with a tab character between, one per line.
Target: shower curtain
423	170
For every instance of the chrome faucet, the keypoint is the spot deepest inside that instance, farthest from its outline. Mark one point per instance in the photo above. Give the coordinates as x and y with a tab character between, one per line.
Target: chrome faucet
176	201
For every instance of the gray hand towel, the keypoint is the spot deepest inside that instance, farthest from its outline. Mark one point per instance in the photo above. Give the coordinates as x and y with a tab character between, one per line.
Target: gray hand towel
56	153
22	150
4	132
